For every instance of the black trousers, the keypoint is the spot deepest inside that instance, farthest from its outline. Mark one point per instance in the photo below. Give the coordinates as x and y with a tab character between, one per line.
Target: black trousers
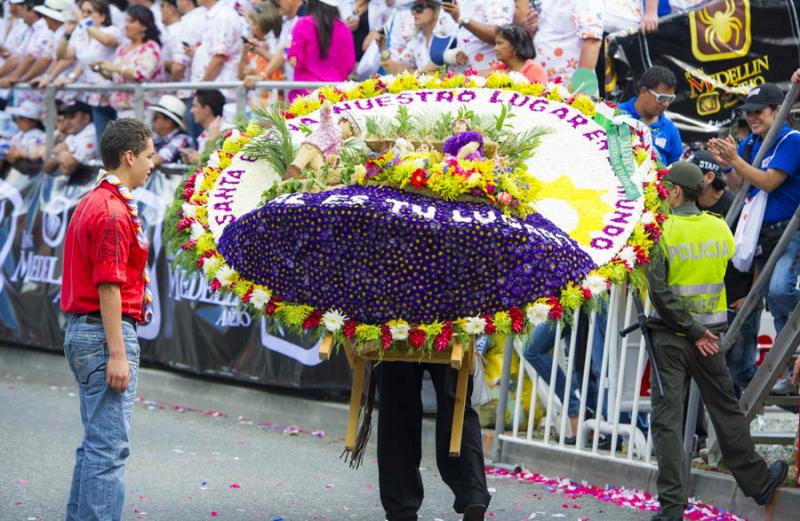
400	444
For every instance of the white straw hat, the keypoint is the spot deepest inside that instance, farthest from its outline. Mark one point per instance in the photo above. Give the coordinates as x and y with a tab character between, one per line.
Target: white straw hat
59	10
172	107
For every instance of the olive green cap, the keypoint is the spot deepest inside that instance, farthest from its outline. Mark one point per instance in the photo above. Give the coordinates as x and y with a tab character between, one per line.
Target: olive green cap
686	174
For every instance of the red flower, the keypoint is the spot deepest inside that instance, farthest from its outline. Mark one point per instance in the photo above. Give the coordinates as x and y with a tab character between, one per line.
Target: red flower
188	245
418	178
287	115
312	320
663	192
661	217
188	193
272	307
517	319
248	295
443	339
490	328
654	231
416	337
587	293
470	72
184	223
662	173
386	337
349	329
215	285
642	257
556	310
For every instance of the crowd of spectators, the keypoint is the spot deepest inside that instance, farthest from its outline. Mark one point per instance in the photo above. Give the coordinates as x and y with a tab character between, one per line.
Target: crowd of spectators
104	43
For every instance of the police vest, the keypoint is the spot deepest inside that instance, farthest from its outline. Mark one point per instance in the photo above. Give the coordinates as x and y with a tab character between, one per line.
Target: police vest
697	249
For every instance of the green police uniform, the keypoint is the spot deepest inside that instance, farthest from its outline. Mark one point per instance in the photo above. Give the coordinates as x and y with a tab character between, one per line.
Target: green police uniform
688	294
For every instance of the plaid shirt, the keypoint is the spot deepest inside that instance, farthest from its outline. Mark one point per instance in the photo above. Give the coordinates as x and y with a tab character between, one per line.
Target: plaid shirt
169	147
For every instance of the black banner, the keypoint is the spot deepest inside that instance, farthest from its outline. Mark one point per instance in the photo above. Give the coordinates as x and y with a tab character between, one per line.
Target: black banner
718	51
193	330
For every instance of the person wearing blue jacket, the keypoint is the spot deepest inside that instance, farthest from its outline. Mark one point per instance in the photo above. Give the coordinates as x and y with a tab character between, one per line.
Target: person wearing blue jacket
656	91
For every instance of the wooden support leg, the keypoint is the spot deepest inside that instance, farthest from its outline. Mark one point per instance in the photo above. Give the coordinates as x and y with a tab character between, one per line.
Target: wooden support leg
325	347
456	356
461	402
355	403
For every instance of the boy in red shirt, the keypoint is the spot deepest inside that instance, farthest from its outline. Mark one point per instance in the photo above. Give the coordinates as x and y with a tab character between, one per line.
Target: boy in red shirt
105	291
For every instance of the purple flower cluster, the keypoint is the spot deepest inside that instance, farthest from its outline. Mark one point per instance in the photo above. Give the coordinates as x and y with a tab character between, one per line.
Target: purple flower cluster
380	254
453	144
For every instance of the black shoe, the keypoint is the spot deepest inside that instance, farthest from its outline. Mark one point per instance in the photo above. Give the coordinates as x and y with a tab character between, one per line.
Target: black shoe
604	443
777	475
570	440
474	513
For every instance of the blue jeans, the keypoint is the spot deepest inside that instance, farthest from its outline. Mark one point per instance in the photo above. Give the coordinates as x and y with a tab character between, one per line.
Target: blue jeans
537	353
783	293
98	478
741	357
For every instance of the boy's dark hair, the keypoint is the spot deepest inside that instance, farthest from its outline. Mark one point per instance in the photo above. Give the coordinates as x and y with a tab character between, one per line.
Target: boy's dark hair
658	75
211	98
120	136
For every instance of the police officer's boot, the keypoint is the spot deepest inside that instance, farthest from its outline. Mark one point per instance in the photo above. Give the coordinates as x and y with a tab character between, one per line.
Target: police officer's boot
474	513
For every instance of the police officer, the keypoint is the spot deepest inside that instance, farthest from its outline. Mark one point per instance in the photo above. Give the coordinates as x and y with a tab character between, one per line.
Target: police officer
688	295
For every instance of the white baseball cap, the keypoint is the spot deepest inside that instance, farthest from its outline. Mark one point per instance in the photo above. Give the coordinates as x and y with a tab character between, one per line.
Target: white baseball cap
27	109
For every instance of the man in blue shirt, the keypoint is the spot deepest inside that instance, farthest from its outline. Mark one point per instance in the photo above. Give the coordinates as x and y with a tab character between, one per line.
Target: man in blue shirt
656	91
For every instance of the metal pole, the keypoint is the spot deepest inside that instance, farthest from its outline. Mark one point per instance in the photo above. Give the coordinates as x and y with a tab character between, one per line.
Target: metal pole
783	113
502	401
50	120
138	102
241	101
761	282
689	437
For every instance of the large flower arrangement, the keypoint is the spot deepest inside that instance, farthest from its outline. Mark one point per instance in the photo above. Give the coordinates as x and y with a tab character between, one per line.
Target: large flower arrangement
197	248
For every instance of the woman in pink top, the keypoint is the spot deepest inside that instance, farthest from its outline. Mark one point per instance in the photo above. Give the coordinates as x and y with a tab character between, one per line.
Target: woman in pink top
322	46
515	50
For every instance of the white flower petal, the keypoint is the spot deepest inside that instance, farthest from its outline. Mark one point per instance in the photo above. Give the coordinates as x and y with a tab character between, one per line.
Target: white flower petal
189	210
225	275
399	331
260	298
475	325
538	314
596	284
333	320
196	231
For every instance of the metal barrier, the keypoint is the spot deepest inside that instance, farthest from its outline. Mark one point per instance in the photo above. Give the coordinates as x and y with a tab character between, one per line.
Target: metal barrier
139	90
619	386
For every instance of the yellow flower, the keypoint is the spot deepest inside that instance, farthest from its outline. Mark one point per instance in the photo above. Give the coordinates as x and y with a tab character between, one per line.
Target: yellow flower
498	80
530	89
367	333
254	129
205	243
584	103
554	95
329	93
571	297
403	82
641	155
295	314
303	105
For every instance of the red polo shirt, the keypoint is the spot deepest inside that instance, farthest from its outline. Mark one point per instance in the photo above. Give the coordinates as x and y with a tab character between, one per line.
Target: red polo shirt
101	246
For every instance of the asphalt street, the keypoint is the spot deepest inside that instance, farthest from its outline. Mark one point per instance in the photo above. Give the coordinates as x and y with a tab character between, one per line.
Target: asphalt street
194	464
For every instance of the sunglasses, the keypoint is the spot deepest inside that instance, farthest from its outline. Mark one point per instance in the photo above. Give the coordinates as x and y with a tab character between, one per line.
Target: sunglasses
662	98
419	8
